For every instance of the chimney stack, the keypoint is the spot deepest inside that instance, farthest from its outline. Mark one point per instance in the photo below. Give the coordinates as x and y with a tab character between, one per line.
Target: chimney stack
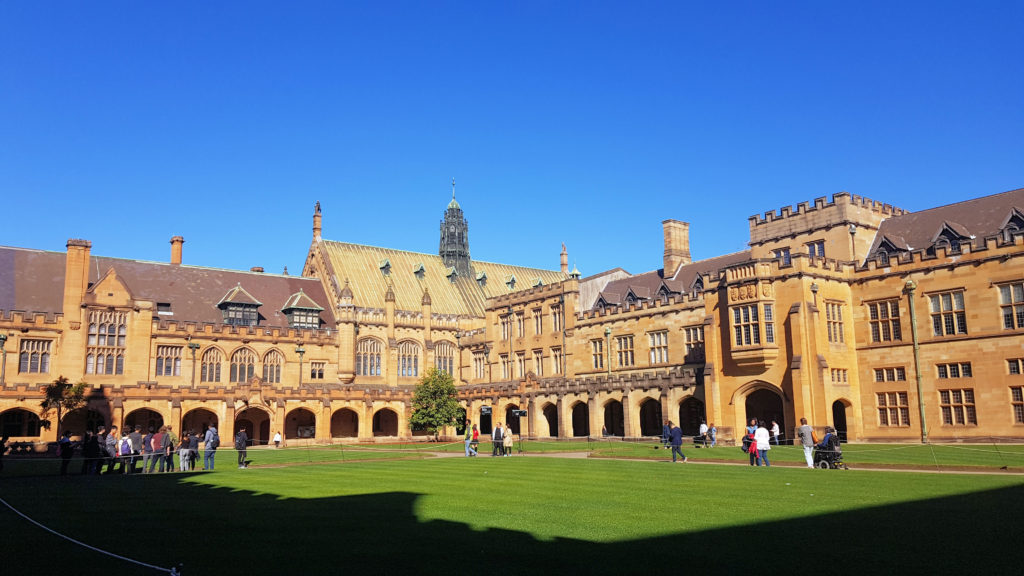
256	269
565	260
317	218
176	243
76	275
677	245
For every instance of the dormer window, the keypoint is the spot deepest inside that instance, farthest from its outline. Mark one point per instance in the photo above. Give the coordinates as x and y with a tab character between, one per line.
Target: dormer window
240	314
1013	224
481	279
419	270
510	281
239	307
302	311
452	274
883	258
385	267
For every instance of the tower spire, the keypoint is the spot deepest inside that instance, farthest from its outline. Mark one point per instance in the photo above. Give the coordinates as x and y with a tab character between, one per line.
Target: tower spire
453	188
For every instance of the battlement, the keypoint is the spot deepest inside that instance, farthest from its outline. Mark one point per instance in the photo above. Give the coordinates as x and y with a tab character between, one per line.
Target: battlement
23	319
533	294
838	200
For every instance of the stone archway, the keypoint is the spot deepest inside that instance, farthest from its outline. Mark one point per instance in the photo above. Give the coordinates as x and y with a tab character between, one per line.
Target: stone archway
80	420
839	419
614	423
691	414
300	423
580	419
765	405
511	420
385	422
256	423
651	422
196	421
145	419
18	422
344	423
551	417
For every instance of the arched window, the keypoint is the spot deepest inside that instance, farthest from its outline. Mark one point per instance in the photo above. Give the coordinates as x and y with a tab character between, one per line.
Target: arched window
444	356
212	359
272	363
243	365
409	359
106	343
368	357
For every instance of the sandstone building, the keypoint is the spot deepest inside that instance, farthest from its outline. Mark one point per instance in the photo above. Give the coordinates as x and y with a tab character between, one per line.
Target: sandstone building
890	325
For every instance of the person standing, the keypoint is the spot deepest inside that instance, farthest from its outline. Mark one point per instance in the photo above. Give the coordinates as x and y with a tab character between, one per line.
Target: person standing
124	452
761	438
508	442
277	439
775	432
170	447
469	440
111	444
807	439
136	438
714	435
66	450
184	458
147	450
475	444
101	449
704	433
156	463
666	434
210	442
496	441
676	439
241	444
90	452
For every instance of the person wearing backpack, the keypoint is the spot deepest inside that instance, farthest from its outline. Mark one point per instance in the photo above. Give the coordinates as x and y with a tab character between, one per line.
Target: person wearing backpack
111	447
124	452
147	450
210	442
241	443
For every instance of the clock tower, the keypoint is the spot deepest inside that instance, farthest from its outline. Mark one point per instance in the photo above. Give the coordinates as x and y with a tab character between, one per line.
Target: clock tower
454	250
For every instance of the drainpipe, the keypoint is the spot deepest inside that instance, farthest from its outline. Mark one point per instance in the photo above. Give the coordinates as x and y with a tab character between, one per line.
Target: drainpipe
909	288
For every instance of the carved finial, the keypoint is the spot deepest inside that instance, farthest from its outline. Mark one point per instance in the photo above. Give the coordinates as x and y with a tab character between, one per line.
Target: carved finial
317	206
453	188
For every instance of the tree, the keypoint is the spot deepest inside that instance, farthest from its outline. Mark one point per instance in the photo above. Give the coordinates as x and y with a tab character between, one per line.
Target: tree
62	396
434	403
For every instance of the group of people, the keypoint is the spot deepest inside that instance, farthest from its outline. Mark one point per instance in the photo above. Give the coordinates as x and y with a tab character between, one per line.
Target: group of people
501	439
758	440
122	453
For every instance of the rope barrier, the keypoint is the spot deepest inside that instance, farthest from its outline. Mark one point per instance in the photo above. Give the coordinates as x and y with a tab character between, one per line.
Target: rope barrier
172	571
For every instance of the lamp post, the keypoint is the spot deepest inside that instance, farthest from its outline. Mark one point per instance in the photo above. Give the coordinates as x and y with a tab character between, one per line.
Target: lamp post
193	347
3	363
487	360
300	351
910	287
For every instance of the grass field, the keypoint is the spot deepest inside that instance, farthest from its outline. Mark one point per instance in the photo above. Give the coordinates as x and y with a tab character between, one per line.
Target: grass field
401	513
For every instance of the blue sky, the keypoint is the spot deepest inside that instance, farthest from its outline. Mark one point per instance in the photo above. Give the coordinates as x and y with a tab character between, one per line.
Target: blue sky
588	123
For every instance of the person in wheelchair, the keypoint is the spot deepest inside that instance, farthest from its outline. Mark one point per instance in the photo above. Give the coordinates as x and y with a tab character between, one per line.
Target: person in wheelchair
828	453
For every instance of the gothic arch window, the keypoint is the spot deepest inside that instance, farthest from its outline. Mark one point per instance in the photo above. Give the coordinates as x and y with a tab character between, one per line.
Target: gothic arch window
883	257
106	342
444	356
368	357
409	359
211	362
243	365
272	363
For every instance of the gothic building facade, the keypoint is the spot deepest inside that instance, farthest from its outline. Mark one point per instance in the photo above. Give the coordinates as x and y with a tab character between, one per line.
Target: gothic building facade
889	325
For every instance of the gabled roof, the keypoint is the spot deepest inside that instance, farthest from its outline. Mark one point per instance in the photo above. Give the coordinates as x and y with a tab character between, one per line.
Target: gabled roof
972	220
33	281
648	283
300	300
238	295
458	295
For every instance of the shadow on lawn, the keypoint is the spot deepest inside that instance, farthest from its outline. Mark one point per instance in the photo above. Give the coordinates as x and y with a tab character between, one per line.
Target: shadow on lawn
380	534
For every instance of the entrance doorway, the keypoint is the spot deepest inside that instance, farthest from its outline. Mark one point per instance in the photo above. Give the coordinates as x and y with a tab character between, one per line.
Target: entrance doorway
613	420
580	419
839	419
650	418
765	405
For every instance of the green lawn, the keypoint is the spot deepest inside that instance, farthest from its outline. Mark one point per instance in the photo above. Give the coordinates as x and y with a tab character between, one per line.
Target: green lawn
515	516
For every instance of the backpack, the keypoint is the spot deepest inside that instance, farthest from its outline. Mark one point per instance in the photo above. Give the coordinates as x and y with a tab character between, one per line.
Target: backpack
126	447
214	441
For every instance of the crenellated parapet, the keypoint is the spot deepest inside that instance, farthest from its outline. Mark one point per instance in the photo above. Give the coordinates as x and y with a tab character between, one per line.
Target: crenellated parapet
676	301
24	319
837	202
991	248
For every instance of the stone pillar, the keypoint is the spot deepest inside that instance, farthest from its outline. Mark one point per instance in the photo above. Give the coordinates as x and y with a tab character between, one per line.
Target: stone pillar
594	421
627	416
560	411
666	409
531	415
366	422
323	423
